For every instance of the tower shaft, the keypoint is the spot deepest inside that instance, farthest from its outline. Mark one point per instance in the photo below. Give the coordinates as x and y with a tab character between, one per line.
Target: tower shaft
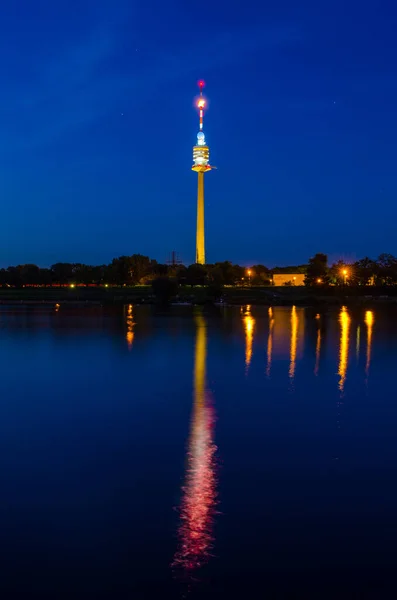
200	243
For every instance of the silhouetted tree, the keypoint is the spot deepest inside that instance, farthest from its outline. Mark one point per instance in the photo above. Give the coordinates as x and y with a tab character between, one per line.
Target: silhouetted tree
119	272
260	275
365	271
45	277
62	273
338	276
225	273
196	275
141	266
161	270
14	276
29	274
181	274
317	270
215	275
386	269
302	269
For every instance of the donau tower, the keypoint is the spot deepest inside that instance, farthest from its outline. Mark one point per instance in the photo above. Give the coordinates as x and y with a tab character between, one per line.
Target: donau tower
201	164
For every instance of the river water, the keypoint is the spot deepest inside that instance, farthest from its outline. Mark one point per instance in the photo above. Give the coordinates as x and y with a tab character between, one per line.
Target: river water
242	451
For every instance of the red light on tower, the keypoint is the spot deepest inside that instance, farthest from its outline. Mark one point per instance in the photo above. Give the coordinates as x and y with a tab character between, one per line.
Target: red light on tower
201	84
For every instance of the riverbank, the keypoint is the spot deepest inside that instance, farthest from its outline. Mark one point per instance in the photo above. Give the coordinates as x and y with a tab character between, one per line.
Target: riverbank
280	296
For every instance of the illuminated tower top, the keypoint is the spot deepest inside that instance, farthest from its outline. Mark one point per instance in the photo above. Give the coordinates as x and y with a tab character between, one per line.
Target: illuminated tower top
201	152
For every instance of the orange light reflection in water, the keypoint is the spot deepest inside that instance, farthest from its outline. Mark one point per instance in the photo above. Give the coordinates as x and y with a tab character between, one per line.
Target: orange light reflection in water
294	342
249	324
369	321
318	351
358	342
344	321
270	342
130	327
199	491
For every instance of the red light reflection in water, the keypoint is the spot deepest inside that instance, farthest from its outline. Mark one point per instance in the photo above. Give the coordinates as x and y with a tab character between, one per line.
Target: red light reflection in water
195	532
199	491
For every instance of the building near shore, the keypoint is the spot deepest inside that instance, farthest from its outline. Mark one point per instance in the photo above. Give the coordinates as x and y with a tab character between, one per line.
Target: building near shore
288	279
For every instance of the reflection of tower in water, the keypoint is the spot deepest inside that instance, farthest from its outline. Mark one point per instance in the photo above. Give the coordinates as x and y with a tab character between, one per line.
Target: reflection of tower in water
130	326
199	491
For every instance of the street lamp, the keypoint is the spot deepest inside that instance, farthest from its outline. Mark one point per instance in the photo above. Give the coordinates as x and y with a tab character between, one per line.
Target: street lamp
318	280
344	275
249	276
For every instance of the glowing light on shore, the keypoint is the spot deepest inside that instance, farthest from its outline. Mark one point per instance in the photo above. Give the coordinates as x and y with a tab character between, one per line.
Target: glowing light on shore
294	342
369	321
344	321
199	490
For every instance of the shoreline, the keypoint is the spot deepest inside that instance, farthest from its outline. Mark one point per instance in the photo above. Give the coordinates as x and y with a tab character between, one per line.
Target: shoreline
143	295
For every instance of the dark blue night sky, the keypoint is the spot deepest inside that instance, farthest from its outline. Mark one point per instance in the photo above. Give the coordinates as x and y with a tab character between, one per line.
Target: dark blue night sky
97	125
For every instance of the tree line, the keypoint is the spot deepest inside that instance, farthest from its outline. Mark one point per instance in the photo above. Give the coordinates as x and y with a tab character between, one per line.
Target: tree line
140	270
136	270
366	271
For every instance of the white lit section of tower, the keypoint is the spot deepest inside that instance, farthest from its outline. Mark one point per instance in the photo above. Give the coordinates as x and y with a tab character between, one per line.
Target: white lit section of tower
201	164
